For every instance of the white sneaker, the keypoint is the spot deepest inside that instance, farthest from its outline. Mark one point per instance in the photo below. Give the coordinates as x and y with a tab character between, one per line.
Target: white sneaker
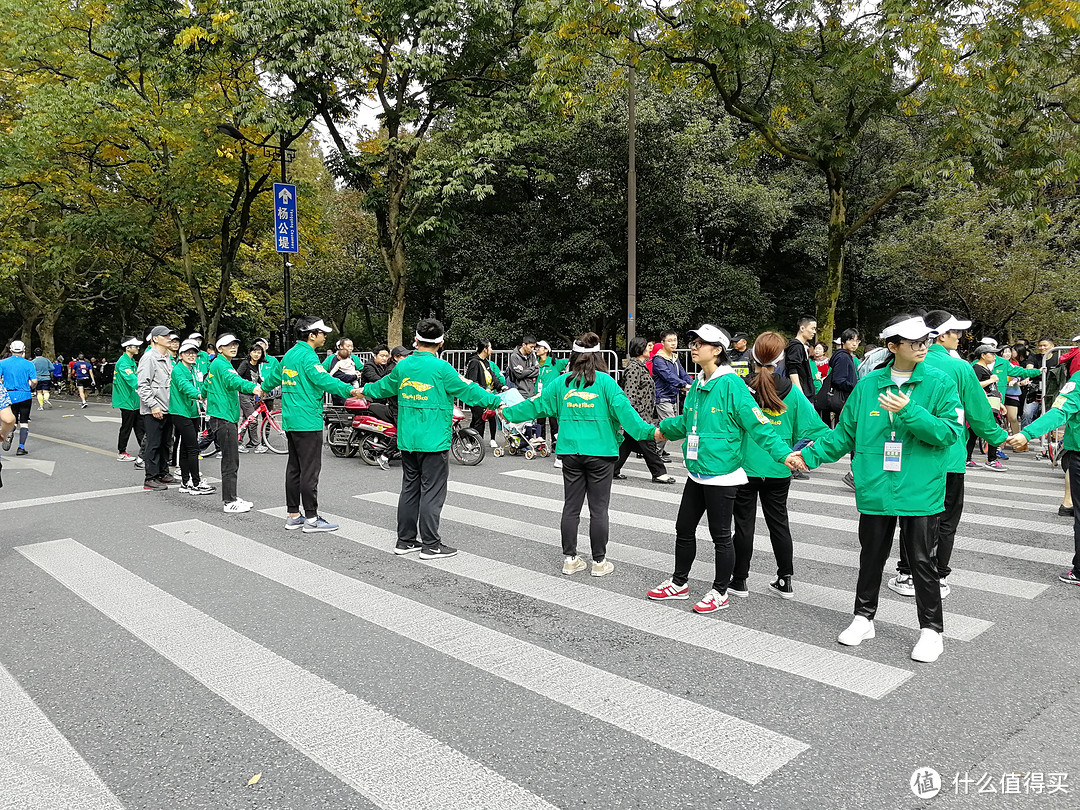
185	489
902	584
929	647
602	569
860	630
558	464
494	444
236	507
945	589
571	565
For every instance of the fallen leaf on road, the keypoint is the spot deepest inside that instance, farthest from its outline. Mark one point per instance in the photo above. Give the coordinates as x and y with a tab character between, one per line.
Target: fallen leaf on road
253	780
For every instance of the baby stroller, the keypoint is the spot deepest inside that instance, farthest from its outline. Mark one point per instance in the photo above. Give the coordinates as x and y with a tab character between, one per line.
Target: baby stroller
515	439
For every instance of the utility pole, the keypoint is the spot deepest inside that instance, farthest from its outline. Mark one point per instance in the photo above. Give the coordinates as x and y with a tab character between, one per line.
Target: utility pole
631	207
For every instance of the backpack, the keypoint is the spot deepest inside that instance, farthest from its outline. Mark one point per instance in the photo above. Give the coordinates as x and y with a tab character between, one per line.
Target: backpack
873	360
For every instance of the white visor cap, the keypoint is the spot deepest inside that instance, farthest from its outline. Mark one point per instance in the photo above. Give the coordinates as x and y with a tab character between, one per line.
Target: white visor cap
711	334
954	324
226	339
911	329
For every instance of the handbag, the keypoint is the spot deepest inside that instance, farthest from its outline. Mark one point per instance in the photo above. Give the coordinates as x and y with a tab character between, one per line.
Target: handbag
830	399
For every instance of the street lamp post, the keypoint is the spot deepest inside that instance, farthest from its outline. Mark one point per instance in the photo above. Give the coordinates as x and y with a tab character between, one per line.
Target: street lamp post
286	156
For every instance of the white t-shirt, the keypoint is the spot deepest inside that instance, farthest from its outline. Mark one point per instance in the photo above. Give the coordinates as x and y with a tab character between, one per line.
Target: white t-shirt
735	477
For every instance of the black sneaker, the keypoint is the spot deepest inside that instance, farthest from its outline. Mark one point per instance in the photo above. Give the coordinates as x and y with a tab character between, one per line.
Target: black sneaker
738	588
154	484
436	552
782	588
407	546
619	476
849	479
1070	577
1065	511
166	479
665	456
22	451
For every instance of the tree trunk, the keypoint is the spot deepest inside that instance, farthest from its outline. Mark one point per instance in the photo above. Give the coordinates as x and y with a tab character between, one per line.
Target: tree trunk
829	292
395	324
47	333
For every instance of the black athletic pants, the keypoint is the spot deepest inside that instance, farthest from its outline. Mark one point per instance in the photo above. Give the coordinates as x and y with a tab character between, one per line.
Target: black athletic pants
549	426
591	476
647	448
302	471
919	535
948	521
774	496
130	420
991	450
1074	487
423	493
477	423
719	504
225	438
153	449
187	431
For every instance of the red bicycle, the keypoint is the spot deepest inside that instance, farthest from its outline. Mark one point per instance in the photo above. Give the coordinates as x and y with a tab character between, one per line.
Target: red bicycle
271	433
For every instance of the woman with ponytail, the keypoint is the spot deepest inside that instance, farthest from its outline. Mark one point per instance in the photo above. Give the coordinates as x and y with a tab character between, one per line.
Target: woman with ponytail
589	407
793	417
719	415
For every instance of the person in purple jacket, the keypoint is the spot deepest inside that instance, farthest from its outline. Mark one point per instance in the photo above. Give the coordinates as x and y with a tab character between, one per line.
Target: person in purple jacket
670	378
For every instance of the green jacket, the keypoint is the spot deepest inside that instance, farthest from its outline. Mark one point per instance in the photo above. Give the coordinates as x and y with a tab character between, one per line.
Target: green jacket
330	359
125	381
799	421
977	410
271	367
202	366
303	380
929	426
1065	411
550	369
589	418
1003	369
425	386
500	380
184	391
722	411
221	387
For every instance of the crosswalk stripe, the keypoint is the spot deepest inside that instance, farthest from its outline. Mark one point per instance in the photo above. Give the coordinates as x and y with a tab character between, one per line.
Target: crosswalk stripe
360	744
71	496
829	667
1012	502
38	766
991	583
998	548
745	750
890	611
1008	476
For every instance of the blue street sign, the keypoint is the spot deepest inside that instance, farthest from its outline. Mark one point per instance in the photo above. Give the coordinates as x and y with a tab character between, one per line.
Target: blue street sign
285	230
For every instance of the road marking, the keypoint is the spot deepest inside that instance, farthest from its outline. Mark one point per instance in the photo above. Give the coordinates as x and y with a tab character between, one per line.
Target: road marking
890	611
360	744
85	447
992	583
45	467
115	419
830	667
71	496
745	750
38	767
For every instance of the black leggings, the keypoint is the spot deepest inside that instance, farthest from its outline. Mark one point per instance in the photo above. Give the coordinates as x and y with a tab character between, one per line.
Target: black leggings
991	450
187	431
130	420
719	504
477	423
774	496
591	476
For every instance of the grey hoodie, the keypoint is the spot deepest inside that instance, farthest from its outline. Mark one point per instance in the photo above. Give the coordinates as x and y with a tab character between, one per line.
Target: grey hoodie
523	371
155	375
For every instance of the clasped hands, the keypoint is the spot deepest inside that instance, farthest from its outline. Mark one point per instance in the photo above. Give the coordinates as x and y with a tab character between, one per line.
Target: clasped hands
1018	442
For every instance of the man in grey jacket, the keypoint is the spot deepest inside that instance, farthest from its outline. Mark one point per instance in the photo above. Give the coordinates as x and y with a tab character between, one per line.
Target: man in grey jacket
155	374
524	367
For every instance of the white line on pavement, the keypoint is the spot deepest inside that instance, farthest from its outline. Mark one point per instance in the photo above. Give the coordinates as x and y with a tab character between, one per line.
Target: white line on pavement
71	496
38	766
991	583
890	611
745	750
360	744
798	658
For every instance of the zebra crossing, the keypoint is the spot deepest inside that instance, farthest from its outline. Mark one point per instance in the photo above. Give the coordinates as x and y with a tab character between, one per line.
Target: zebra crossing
721	743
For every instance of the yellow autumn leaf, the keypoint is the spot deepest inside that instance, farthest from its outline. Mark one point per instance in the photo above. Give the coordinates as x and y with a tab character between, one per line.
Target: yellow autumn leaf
255	779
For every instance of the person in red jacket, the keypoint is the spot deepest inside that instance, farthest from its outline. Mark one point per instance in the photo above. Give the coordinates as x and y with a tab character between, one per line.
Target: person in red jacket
1071	358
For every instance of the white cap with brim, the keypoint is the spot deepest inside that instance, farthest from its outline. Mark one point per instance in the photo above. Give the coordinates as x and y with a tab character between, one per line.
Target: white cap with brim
545	344
318	326
989	341
954	324
1076	339
131	341
711	334
838	341
227	339
910	329
189	346
18	347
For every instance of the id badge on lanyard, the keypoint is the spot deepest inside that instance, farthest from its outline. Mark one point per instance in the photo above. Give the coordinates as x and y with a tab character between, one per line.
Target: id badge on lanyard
894	451
692	445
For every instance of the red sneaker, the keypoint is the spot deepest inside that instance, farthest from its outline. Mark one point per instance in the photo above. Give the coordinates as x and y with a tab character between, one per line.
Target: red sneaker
711	602
669	590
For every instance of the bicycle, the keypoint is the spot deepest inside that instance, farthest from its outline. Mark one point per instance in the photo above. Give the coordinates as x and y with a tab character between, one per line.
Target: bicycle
271	433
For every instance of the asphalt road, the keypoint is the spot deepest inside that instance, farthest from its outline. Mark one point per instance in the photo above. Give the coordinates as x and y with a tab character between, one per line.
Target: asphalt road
157	653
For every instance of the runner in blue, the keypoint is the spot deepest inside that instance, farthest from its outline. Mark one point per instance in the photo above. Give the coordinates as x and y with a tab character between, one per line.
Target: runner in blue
18	376
84	377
